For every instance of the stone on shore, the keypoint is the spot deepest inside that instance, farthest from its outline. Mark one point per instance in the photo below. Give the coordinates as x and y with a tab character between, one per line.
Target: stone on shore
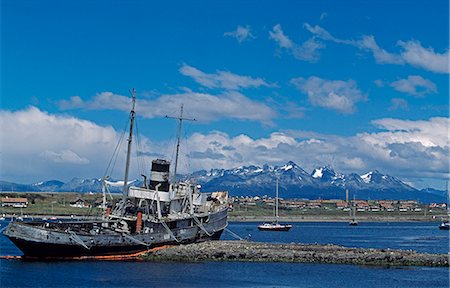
301	253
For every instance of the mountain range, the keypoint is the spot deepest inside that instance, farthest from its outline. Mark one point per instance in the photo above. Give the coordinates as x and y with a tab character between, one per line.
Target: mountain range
294	182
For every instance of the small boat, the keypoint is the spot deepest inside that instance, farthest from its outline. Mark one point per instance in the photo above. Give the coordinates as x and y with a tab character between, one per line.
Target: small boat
275	226
353	221
444	225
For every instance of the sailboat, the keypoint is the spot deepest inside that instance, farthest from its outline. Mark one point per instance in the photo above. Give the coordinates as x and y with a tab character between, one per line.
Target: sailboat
156	214
275	226
445	225
353	221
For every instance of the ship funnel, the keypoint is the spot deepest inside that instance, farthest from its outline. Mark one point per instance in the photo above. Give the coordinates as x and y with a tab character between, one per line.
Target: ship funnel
160	175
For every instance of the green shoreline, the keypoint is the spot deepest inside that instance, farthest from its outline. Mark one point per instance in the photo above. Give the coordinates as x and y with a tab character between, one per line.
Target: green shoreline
57	204
298	219
323	218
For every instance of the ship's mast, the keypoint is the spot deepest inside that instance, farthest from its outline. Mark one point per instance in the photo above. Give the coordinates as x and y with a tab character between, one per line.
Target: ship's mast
180	119
130	138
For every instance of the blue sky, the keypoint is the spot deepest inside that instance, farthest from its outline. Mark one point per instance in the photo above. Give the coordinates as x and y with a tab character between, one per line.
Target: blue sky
357	85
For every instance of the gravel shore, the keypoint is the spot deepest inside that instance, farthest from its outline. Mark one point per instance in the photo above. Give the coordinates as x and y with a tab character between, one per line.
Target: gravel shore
301	253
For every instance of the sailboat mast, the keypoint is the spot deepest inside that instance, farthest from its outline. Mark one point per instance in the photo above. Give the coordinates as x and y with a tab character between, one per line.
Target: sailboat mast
130	138
276	198
354	209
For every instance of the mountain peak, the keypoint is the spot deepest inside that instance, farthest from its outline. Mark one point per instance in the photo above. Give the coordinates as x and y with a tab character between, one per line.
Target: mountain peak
325	173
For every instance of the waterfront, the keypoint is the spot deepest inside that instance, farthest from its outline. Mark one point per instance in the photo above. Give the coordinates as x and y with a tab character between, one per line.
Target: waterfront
423	237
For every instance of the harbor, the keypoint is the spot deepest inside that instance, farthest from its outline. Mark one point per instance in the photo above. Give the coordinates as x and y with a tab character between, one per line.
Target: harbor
423	237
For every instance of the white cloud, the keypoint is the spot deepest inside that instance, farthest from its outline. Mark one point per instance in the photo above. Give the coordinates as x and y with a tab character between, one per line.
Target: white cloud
64	156
205	107
278	36
401	147
307	51
241	34
381	56
416	55
412	52
42	146
222	79
398	104
323	34
338	95
415	85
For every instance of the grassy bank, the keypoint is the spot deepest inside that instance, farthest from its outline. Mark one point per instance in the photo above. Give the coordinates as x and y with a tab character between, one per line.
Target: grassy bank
58	204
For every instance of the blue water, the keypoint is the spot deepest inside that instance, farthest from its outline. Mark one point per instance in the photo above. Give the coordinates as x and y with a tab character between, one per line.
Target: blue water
424	237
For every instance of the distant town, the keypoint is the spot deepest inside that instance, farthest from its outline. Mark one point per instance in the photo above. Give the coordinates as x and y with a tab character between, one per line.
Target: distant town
339	205
29	204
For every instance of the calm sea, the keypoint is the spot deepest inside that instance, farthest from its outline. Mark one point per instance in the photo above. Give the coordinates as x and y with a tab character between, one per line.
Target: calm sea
423	237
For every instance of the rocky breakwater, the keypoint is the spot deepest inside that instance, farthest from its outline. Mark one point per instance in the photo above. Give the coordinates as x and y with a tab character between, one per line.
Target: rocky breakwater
301	253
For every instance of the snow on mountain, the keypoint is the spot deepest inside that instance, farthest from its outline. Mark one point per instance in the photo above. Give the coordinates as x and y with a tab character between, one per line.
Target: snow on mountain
294	182
51	185
317	173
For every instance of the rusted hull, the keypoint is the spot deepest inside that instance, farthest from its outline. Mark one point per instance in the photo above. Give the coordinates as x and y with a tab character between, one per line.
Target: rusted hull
38	250
38	241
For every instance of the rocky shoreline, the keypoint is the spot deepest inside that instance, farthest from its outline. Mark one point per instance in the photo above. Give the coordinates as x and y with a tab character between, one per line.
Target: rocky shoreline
295	253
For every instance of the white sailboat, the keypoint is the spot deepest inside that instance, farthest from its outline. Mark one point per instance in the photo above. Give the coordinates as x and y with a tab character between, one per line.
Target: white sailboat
353	221
275	226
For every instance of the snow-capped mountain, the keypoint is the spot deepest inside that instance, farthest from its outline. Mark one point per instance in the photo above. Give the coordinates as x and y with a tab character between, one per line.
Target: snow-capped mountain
294	182
51	185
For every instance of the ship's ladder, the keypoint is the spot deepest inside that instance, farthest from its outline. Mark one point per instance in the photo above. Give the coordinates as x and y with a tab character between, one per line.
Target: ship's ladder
77	239
170	231
200	225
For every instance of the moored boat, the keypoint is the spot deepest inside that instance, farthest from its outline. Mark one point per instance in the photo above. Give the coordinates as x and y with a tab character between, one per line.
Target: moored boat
445	225
275	226
353	221
156	214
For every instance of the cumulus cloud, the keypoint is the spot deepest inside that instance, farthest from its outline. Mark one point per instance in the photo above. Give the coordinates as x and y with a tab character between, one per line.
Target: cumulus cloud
222	79
64	156
307	51
241	34
415	85
412	52
38	146
338	95
41	146
399	147
205	107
